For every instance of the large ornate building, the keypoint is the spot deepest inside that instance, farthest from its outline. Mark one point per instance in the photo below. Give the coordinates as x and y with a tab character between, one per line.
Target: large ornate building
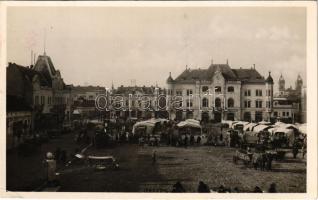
220	93
43	99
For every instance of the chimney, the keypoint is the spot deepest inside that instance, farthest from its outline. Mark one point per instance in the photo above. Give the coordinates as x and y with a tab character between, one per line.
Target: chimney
254	66
212	62
227	61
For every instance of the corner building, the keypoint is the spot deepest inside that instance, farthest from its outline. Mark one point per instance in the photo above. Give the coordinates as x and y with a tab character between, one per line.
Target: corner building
233	94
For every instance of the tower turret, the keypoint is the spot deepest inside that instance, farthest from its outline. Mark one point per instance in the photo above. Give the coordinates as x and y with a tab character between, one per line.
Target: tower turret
269	83
299	84
281	84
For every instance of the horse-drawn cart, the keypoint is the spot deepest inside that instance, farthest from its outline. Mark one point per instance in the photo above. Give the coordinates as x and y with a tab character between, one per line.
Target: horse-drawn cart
244	156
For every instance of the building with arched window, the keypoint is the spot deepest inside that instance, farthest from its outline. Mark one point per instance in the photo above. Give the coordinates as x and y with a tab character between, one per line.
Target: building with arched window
222	93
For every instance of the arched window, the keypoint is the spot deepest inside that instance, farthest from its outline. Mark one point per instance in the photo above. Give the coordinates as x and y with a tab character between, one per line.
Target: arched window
230	102
205	102
230	89
218	102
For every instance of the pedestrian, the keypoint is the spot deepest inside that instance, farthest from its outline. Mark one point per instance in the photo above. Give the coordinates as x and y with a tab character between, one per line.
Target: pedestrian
186	141
269	159
50	169
221	189
304	146
272	188
156	141
198	140
295	150
191	139
154	157
236	190
257	190
178	188
203	188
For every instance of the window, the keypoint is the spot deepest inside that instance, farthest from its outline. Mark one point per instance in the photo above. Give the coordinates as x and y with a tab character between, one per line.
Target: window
268	104
169	92
275	114
268	93
259	93
247	93
189	92
230	103
205	88
258	104
205	102
42	100
230	89
179	92
91	97
247	104
283	114
218	102
49	100
189	103
287	114
218	89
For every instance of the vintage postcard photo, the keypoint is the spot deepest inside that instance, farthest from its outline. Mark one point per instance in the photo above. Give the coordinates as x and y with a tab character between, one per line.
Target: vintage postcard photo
159	98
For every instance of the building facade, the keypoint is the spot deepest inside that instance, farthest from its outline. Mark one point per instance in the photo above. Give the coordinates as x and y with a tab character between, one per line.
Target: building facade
136	102
42	88
83	98
290	104
220	93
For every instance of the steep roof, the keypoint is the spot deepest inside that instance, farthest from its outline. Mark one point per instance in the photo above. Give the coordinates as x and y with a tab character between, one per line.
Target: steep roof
245	75
31	73
269	79
45	65
248	75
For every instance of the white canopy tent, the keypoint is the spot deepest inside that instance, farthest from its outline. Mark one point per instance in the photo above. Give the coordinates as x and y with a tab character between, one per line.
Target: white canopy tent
249	126
189	123
264	122
229	122
76	112
260	128
303	128
148	124
240	123
278	124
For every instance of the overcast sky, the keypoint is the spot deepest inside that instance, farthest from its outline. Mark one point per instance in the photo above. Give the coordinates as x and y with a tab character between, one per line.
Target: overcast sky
99	45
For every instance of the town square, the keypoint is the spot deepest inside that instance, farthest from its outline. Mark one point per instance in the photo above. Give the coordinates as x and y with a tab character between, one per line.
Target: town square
154	100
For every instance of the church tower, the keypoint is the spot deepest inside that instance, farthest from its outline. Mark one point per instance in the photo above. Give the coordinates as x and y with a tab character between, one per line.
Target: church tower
281	85
299	84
